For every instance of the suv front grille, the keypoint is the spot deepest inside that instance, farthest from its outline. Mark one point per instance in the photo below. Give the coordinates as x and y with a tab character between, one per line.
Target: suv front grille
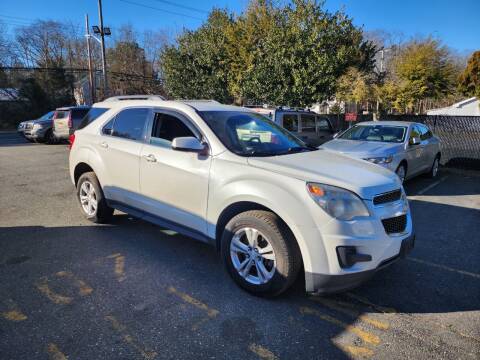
395	224
390	196
29	126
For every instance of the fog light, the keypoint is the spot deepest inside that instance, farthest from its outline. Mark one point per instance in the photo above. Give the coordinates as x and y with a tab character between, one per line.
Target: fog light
348	256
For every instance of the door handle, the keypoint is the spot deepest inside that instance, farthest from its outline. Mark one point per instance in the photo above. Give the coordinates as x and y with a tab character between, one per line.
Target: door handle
104	144
150	158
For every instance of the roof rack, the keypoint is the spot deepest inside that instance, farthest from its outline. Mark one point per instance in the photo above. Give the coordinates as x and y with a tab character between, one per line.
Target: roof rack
199	100
134	97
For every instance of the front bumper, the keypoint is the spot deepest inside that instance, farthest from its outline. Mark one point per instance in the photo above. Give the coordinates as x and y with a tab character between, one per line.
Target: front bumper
327	284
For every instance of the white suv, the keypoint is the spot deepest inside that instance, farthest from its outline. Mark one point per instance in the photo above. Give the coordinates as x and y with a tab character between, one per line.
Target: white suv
230	177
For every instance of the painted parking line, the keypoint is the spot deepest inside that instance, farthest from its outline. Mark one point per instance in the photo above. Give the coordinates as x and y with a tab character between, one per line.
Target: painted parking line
443	267
119	268
129	339
362	334
54	352
192	301
430	187
355	351
60	299
262	352
13	313
349	309
364	300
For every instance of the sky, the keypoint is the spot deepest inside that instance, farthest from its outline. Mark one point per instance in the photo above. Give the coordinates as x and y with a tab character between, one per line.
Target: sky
456	23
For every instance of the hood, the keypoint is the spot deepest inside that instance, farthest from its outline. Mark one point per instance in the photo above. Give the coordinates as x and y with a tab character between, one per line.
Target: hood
362	149
360	176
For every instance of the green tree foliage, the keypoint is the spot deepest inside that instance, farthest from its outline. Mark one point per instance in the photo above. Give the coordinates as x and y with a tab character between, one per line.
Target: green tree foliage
469	80
423	69
198	66
289	55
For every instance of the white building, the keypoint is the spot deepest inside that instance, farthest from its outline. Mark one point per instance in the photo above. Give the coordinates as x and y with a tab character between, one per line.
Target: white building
468	107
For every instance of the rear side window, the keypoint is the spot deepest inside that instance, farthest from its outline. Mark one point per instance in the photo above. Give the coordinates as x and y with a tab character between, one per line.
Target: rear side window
290	122
425	132
167	127
308	123
78	114
92	114
61	114
130	123
323	124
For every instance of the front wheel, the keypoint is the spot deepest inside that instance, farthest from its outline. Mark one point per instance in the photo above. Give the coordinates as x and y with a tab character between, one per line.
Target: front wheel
49	137
260	253
91	198
401	172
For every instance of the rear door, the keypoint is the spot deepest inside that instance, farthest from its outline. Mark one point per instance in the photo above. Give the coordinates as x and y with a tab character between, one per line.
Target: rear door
430	145
174	184
119	147
415	152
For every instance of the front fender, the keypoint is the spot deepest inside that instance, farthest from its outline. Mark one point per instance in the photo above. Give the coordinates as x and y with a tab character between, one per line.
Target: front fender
287	204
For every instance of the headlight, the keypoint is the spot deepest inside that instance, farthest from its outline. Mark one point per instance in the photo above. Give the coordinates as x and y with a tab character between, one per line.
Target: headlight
37	126
337	202
380	160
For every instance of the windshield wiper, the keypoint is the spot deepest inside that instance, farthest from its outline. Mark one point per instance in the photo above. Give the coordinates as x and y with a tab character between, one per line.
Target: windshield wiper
297	149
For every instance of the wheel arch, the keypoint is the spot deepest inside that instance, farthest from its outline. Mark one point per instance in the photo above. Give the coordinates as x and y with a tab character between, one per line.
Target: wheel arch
241	206
80	169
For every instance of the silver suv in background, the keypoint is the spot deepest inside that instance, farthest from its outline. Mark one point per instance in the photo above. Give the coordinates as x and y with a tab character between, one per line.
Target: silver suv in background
66	120
310	127
225	175
407	148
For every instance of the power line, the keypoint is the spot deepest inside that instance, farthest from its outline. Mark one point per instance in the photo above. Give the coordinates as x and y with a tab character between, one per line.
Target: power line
183	6
161	10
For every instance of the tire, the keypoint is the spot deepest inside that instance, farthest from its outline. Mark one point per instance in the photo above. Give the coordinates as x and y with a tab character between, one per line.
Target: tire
49	137
88	189
401	172
280	266
433	172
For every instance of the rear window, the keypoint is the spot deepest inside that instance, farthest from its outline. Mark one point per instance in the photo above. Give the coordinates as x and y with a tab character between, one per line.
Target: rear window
91	115
61	114
78	114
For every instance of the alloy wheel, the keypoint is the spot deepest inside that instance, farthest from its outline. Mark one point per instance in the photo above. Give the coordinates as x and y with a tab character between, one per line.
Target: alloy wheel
252	256
401	173
88	198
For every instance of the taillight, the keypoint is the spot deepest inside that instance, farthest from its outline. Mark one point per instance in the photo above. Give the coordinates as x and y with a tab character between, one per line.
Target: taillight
70	119
71	140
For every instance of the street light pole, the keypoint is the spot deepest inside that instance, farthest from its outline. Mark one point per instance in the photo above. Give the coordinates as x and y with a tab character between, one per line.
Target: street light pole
104	60
90	67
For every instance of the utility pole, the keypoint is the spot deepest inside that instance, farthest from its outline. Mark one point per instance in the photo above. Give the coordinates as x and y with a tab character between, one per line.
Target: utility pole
90	67
104	60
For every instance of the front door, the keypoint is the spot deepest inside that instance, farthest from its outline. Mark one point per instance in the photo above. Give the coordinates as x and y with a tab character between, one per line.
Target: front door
414	152
174	184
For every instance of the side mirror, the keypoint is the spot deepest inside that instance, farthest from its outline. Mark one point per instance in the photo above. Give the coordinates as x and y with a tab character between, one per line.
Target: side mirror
414	141
190	144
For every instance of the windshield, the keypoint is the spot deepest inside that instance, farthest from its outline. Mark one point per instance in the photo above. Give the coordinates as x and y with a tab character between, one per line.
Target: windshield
47	116
251	134
381	133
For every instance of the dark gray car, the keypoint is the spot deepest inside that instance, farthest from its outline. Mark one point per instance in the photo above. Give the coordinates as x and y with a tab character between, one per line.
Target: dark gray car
66	120
40	130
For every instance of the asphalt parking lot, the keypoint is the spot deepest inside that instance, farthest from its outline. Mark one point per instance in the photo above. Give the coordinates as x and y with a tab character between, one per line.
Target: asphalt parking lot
131	290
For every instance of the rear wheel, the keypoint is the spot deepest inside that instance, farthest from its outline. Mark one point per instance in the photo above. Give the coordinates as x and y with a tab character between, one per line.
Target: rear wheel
91	199
434	169
260	253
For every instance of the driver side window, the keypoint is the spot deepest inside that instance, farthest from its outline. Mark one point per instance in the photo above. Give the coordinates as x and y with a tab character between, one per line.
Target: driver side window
167	127
415	133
